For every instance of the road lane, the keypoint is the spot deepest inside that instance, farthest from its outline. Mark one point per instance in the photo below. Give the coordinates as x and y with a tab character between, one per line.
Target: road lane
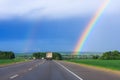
69	70
15	69
48	71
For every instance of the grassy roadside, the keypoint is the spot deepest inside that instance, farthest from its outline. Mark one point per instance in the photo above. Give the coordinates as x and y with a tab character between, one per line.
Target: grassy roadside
5	62
108	64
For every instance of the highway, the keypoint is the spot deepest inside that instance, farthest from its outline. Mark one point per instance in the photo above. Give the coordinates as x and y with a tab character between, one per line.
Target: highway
52	70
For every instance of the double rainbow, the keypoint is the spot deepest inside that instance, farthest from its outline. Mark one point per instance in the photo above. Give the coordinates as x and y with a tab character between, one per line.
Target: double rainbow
89	27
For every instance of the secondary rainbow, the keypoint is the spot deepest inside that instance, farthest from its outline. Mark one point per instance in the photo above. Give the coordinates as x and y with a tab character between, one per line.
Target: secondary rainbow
31	37
89	27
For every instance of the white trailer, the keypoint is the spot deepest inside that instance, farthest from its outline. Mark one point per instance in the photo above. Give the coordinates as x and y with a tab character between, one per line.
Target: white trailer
49	56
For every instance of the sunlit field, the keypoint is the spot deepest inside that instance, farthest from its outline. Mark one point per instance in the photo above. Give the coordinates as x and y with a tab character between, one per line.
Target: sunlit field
111	64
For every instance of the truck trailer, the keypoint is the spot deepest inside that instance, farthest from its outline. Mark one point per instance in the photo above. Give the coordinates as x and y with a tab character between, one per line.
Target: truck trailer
49	56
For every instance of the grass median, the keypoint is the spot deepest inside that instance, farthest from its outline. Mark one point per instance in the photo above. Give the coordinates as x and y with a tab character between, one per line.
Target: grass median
109	64
5	62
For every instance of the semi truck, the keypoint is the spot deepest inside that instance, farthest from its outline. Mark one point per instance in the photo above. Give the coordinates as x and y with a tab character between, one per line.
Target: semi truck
49	56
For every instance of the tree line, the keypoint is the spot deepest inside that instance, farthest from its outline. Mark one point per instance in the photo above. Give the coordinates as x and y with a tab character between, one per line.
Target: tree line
39	55
110	55
7	55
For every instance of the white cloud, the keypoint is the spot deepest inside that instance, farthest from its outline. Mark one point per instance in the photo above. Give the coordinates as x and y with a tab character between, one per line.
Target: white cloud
52	8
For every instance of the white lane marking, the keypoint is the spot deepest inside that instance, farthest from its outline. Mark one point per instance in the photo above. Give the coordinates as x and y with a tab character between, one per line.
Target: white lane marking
40	63
30	69
14	76
69	71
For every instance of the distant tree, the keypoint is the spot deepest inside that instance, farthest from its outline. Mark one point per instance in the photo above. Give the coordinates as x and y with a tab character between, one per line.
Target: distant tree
57	56
39	55
111	55
7	55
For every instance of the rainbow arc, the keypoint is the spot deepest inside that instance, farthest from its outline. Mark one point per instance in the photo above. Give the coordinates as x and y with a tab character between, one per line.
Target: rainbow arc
89	27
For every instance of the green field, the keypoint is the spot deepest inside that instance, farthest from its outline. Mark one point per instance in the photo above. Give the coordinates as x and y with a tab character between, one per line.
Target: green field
8	61
110	64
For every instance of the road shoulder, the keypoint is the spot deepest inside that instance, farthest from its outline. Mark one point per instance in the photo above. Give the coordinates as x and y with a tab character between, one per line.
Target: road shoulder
96	68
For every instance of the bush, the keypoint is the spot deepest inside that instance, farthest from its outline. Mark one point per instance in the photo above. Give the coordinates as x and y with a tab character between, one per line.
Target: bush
95	56
111	55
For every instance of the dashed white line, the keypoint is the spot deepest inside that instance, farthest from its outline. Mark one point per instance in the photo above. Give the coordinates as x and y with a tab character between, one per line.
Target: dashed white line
14	76
69	71
30	69
39	64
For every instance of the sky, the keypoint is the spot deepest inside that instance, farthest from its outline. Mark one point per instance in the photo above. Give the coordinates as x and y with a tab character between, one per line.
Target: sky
55	25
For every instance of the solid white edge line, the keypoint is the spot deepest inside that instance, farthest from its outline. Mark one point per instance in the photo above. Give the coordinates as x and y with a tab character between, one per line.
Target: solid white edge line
69	71
14	76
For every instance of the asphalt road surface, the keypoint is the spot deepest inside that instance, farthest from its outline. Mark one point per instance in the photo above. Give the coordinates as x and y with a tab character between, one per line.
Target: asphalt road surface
52	70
